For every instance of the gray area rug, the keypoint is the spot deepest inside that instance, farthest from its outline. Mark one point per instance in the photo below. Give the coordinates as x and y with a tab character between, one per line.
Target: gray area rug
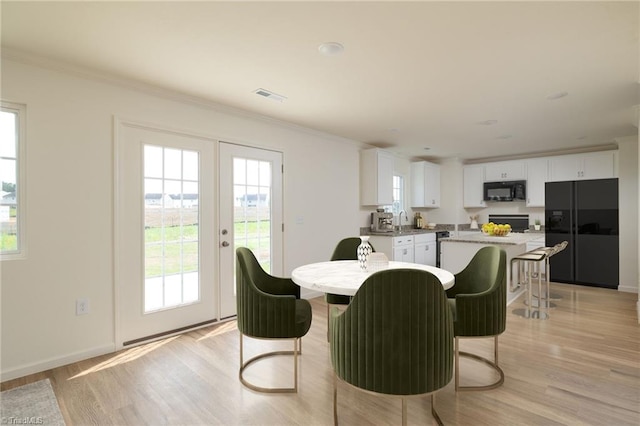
34	404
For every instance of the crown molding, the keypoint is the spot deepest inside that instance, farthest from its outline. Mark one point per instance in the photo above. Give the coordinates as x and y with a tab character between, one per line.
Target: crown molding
578	150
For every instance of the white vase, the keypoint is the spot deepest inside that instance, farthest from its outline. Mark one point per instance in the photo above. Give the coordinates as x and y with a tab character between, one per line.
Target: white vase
364	250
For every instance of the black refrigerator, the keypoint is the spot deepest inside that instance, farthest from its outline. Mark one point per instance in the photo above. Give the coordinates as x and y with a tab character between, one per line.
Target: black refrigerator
585	214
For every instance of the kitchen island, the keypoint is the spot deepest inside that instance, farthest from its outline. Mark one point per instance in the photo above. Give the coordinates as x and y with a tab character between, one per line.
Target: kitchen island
457	252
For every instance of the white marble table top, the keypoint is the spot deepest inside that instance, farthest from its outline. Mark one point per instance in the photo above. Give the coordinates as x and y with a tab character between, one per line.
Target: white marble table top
345	276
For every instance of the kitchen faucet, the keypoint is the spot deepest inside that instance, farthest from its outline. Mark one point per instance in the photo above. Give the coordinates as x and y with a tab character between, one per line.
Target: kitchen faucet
400	219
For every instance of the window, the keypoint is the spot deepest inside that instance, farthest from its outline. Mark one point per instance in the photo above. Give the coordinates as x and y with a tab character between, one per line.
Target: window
12	216
171	227
398	196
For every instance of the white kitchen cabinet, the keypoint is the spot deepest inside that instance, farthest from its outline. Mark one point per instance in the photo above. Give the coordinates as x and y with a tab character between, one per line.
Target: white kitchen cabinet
376	177
403	254
425	249
473	186
398	248
592	165
504	170
537	176
425	184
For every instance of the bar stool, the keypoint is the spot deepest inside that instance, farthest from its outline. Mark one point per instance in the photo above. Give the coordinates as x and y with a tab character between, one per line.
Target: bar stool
528	270
529	266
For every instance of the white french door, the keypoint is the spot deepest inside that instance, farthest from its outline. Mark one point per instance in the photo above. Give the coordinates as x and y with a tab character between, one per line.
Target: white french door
165	232
250	213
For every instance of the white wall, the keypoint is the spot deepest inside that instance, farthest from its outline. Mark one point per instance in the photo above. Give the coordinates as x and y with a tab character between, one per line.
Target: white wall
69	200
628	213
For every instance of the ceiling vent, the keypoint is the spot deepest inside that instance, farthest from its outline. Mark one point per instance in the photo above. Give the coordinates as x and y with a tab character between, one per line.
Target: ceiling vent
270	95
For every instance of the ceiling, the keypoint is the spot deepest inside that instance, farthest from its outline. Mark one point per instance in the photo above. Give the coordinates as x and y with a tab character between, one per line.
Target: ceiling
463	79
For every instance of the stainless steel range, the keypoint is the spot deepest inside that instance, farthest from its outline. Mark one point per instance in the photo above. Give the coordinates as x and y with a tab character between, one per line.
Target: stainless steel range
518	222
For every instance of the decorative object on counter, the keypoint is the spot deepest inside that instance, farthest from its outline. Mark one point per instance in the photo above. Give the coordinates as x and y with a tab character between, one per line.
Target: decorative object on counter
377	262
474	221
536	225
381	221
496	230
431	225
418	222
364	251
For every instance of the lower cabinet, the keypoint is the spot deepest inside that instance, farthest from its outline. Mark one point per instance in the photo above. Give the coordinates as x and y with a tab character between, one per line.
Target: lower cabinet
425	249
403	253
398	248
416	248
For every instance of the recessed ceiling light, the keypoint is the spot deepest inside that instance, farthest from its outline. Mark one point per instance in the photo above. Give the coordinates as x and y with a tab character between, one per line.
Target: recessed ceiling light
487	122
270	95
331	48
554	96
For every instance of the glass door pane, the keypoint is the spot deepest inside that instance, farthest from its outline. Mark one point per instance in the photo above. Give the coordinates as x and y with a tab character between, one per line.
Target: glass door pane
171	227
252	208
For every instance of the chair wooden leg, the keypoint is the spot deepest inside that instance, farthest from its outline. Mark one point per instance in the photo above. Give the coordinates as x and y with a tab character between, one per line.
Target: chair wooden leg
493	364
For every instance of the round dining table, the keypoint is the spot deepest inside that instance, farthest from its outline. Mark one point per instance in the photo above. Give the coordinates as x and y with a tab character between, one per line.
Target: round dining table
345	276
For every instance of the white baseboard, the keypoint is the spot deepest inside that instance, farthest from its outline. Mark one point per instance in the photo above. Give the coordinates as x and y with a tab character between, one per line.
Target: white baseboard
628	289
48	364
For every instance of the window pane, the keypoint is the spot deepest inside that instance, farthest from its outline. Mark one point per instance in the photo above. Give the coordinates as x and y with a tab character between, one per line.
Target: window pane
9	210
172	163
398	196
253	175
252	217
239	171
152	161
190	162
171	229
8	122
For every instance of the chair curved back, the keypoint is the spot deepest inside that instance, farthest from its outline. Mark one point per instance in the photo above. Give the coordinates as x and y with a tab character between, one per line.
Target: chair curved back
347	249
480	293
396	336
266	304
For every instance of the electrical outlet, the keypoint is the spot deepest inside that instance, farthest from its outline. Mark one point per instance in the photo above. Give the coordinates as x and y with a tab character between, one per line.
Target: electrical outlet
82	306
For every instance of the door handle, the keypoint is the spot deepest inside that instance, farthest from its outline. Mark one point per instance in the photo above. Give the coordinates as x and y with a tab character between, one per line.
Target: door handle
225	244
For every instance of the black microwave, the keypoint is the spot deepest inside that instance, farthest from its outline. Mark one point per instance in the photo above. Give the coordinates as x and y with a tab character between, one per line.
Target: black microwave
505	191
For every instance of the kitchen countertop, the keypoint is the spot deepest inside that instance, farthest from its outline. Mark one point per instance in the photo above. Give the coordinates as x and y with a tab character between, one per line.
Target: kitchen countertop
514	238
405	232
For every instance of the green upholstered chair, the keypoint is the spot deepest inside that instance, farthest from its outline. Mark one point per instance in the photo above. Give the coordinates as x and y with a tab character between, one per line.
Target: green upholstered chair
269	308
394	338
347	249
478	301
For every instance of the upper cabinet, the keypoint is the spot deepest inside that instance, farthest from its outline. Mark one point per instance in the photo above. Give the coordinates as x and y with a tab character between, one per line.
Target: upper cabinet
504	170
376	177
425	184
592	165
537	175
473	177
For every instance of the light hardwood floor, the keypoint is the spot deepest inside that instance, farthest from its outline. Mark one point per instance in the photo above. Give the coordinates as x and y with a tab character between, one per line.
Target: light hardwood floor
580	367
